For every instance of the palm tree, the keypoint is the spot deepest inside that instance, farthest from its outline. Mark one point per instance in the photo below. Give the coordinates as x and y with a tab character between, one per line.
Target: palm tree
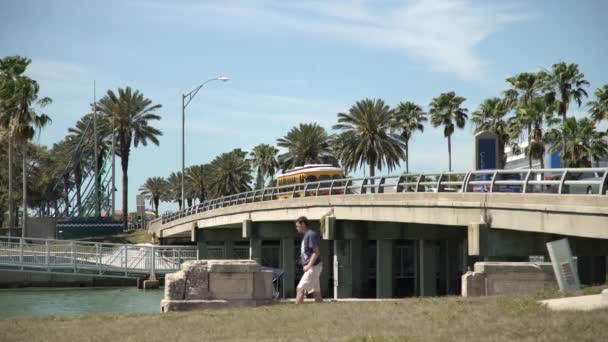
11	67
26	123
599	106
446	111
305	144
343	147
129	115
230	174
174	189
153	190
525	88
490	117
197	177
584	143
409	118
264	160
369	124
565	83
538	115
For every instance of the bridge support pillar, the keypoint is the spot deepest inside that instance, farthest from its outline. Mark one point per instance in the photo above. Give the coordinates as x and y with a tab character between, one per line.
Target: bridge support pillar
289	267
427	268
347	265
326	259
255	249
250	231
201	245
229	249
384	268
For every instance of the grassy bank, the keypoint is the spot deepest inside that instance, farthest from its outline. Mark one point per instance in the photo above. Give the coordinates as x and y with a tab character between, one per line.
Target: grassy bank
514	318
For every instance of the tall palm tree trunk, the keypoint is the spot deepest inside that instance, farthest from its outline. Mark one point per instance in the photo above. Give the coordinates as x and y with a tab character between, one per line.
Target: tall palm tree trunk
259	181
11	208
24	195
372	173
407	157
501	154
156	200
450	153
124	163
564	110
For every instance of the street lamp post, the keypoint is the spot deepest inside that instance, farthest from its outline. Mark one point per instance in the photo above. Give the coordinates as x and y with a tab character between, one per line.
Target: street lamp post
186	98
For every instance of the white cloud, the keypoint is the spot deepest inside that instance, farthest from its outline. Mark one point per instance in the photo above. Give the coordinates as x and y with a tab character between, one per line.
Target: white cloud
443	33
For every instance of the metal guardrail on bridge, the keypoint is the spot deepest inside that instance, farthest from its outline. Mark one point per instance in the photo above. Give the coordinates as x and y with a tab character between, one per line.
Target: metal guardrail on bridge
91	258
523	181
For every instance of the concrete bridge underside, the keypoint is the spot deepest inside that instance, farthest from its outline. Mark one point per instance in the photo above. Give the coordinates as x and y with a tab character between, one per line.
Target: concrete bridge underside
401	244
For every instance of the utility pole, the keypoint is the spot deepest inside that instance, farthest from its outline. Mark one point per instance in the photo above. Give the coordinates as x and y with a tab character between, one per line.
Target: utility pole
97	208
113	171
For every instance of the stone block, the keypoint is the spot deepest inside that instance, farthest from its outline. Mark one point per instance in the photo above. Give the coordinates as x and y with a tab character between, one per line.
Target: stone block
217	283
231	285
473	284
150	284
263	284
190	305
497	278
186	265
197	283
175	285
233	266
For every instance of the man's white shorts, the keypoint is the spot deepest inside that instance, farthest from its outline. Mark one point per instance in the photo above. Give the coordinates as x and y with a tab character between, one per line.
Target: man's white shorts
310	280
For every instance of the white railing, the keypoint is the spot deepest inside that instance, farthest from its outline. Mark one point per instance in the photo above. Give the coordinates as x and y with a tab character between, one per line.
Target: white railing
524	181
91	258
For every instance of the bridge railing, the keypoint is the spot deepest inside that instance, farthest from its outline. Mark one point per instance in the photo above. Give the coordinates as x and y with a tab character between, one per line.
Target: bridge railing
91	258
557	181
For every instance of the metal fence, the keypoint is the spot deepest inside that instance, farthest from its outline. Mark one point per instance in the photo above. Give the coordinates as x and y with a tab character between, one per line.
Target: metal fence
585	181
90	258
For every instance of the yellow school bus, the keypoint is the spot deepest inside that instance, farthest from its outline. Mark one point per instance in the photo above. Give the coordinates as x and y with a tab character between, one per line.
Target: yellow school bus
295	178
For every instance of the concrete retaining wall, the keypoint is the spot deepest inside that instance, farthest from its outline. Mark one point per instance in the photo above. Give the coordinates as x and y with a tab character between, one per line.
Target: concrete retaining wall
497	278
12	279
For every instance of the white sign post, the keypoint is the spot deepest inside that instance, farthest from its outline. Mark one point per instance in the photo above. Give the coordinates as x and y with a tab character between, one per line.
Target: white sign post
563	265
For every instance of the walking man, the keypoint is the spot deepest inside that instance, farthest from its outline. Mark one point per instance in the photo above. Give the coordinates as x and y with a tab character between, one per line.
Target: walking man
310	258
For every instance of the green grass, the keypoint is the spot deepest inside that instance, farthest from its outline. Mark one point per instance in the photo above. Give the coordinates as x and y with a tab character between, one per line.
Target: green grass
135	236
508	318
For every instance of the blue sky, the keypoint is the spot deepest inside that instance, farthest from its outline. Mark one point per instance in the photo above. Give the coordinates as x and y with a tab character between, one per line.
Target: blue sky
291	62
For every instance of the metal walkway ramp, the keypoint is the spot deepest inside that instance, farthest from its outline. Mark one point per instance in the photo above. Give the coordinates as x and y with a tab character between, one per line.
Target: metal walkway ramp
91	258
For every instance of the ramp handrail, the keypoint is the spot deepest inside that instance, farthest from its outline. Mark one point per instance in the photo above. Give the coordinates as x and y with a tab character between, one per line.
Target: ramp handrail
92	258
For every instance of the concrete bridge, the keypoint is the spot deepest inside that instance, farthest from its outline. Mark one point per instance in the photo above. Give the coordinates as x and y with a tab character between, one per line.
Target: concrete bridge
407	234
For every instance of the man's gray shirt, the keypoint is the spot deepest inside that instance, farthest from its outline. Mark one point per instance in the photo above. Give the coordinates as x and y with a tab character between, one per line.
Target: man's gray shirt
310	241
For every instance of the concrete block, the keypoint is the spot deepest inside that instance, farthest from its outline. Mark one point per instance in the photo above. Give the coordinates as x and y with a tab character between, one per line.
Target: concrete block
175	285
197	283
233	266
151	284
217	283
186	265
497	278
263	284
190	305
473	284
231	285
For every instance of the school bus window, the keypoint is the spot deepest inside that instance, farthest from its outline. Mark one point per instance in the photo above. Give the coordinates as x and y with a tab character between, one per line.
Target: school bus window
311	178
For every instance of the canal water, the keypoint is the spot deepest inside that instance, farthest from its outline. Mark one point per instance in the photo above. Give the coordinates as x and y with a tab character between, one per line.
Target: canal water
73	301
